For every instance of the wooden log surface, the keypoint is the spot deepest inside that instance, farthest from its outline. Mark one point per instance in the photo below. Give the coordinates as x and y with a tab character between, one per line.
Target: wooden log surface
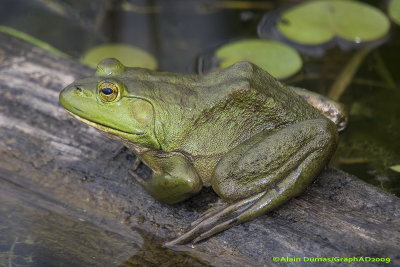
67	198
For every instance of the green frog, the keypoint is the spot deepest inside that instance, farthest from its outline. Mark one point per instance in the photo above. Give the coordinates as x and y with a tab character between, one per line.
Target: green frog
255	141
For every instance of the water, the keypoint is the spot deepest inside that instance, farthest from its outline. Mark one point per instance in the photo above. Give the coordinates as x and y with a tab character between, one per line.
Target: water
38	231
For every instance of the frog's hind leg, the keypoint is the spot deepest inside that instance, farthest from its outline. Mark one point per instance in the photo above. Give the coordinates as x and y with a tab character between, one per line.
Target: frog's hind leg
263	173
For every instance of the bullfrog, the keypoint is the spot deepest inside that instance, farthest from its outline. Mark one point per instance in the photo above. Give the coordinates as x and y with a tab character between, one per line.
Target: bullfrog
255	141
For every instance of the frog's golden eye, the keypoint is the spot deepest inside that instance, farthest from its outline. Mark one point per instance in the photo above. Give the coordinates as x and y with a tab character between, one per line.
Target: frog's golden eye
108	91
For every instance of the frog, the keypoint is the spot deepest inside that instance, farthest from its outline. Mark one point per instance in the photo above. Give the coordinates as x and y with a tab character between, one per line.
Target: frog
255	141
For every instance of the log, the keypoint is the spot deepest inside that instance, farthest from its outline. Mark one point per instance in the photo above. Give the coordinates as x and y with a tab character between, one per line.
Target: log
68	198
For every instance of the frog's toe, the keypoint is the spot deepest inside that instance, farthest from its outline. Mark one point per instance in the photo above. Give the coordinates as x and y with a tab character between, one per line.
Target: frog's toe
216	229
136	164
214	209
137	178
215	221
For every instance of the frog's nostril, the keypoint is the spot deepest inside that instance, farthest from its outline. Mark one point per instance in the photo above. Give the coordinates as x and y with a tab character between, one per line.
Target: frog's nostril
77	88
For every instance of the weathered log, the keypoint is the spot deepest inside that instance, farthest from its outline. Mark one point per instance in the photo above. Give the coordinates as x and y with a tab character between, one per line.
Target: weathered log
66	193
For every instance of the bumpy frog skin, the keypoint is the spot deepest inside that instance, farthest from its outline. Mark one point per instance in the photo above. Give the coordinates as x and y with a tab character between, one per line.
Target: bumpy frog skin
257	142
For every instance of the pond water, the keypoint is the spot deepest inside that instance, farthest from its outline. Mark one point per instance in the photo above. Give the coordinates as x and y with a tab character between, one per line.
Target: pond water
180	34
38	231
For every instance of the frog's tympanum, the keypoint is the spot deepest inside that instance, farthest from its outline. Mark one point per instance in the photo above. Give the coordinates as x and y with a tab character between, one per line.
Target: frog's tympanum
255	141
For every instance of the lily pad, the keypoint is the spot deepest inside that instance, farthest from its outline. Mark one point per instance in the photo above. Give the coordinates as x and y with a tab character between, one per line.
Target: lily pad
318	22
130	56
394	11
278	59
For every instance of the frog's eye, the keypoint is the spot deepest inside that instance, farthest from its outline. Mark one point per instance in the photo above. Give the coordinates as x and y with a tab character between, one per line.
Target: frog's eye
108	91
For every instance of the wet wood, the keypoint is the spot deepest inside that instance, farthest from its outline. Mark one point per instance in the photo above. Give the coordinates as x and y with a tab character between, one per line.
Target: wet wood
52	166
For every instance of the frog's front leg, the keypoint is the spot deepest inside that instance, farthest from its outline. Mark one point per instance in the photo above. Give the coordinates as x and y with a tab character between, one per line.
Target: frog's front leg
263	173
174	179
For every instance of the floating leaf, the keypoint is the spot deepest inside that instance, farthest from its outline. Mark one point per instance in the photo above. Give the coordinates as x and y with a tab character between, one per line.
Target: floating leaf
278	59
395	168
394	11
32	40
317	22
129	56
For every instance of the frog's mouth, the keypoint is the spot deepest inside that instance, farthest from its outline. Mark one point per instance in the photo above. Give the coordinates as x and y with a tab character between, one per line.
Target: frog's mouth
102	127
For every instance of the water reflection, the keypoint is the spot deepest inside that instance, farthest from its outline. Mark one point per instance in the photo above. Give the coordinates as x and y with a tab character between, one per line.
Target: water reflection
36	232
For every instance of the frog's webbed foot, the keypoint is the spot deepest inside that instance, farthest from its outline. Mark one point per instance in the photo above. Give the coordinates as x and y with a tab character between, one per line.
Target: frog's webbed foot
118	151
214	208
133	173
216	220
137	178
136	163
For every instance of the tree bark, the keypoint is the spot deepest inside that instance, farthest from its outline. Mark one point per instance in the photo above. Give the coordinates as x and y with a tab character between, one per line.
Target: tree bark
68	199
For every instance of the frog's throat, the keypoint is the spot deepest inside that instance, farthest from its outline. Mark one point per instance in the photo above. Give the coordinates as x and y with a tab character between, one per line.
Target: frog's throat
101	127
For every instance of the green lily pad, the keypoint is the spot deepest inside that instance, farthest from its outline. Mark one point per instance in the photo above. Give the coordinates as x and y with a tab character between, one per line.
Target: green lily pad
394	11
317	22
130	56
278	59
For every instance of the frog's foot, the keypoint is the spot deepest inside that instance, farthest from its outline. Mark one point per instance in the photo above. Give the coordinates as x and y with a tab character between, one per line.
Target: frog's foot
214	208
216	220
120	150
136	164
133	173
137	178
